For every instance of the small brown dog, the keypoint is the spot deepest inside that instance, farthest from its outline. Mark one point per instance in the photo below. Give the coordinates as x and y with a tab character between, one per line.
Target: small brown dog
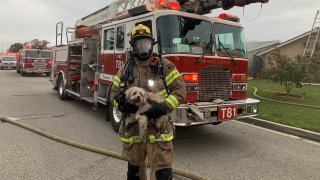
139	97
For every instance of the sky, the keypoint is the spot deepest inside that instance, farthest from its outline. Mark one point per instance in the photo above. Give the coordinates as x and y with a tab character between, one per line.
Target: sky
24	20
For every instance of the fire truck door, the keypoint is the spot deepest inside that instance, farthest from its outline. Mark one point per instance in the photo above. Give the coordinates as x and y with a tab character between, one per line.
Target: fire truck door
107	58
120	52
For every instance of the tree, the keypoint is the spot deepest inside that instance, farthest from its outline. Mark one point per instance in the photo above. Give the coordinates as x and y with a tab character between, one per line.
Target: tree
288	72
16	47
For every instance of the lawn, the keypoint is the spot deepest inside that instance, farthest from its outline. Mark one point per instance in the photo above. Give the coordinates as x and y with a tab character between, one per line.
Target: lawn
301	117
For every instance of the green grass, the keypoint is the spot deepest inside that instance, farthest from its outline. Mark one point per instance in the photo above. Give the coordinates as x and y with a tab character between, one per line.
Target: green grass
301	117
312	93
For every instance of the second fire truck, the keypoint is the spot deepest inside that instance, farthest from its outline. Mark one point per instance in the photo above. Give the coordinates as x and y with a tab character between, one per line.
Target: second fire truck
35	58
209	52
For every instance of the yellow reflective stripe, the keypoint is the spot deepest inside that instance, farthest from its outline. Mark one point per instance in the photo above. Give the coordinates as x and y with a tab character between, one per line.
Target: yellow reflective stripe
116	81
163	93
130	140
115	104
162	138
173	101
171	77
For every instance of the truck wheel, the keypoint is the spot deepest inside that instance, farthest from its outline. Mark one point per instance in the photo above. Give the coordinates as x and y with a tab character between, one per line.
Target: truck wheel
61	91
23	73
114	116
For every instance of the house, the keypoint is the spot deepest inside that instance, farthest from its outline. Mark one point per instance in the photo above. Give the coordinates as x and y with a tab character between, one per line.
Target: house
291	48
255	47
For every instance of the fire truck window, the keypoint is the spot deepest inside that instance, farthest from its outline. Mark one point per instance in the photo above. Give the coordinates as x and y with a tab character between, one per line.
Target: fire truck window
46	54
231	39
109	39
120	38
32	54
183	35
146	23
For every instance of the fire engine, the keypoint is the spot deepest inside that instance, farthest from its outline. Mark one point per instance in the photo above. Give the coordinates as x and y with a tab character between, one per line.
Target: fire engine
35	57
209	52
8	60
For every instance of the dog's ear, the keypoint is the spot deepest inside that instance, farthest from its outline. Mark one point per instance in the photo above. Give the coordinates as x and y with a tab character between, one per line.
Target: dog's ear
129	91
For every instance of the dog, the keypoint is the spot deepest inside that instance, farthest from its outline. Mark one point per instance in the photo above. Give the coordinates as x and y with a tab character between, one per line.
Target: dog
140	97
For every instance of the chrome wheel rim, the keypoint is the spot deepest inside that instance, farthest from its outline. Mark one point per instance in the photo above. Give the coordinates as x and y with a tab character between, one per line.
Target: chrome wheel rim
117	115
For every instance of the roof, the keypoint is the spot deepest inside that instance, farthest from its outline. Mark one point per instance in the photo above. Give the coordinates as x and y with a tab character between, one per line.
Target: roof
255	45
285	43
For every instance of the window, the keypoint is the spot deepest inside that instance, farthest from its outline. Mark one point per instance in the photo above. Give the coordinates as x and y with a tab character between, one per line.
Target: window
231	39
9	58
184	35
46	54
108	39
32	53
120	37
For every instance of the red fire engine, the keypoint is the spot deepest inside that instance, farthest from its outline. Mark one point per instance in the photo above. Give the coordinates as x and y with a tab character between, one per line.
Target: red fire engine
35	58
209	52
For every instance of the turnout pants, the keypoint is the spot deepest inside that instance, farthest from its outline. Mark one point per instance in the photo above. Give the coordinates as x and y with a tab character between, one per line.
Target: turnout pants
158	155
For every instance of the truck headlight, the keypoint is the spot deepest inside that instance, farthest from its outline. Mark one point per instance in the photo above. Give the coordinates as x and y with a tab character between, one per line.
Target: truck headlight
240	87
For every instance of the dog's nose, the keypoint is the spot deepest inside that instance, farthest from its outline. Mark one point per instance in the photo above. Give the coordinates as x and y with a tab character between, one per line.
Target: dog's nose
137	99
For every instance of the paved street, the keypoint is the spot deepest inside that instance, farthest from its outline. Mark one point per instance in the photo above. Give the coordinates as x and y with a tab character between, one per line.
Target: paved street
232	150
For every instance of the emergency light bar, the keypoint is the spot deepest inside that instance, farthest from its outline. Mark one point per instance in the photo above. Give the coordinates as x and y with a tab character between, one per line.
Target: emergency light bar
229	17
165	4
159	5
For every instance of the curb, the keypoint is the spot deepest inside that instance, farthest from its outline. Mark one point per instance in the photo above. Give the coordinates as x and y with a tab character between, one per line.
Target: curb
282	128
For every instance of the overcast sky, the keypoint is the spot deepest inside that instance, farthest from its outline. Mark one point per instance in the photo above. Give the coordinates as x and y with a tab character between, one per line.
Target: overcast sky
24	20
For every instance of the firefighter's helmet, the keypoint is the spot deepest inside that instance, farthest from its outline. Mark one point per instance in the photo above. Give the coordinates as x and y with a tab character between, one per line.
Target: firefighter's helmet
140	31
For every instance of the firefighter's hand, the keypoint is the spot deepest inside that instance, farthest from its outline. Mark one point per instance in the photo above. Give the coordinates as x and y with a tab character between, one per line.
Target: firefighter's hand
157	110
123	105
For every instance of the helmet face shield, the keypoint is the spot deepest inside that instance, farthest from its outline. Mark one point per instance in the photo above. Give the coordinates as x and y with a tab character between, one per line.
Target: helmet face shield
143	48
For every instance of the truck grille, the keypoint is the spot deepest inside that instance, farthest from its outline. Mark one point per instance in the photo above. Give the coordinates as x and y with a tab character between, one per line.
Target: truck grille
214	82
39	64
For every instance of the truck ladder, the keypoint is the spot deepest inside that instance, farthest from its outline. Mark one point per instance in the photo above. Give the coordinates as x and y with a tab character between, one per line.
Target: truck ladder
313	37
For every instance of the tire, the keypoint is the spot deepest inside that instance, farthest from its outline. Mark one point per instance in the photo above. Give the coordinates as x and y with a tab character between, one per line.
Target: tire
23	73
61	91
47	74
114	117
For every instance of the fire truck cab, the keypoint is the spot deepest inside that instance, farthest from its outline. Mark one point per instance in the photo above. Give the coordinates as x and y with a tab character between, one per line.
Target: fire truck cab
209	52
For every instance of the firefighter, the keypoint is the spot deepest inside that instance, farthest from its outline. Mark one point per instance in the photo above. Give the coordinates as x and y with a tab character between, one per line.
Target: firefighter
156	75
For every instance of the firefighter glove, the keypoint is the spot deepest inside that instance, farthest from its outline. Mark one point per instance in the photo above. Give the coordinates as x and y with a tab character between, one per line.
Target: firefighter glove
157	110
123	105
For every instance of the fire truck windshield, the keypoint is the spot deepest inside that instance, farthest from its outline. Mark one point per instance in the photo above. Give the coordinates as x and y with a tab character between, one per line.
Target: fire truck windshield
38	54
183	35
45	54
230	40
8	58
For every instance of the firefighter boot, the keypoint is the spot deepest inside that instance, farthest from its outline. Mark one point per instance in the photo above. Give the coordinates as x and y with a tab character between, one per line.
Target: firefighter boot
164	174
133	172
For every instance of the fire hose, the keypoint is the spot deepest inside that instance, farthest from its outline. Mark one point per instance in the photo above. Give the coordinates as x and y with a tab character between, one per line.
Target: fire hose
94	149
